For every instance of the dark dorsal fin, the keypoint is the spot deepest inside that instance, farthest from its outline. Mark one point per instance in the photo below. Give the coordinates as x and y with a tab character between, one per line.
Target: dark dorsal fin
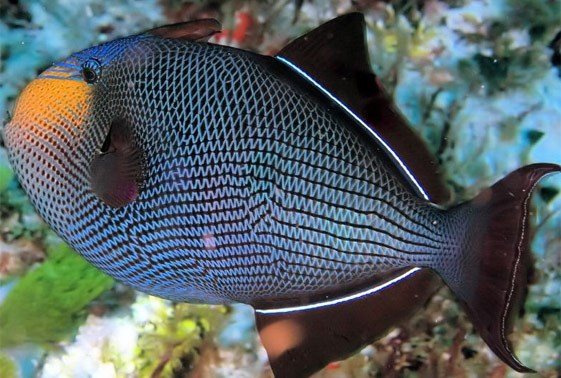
197	30
335	55
301	342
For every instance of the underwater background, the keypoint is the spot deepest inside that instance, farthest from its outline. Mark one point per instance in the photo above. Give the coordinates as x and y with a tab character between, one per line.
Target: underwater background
479	80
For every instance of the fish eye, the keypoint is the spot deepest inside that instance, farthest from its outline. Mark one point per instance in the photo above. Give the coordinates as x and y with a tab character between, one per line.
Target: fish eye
91	71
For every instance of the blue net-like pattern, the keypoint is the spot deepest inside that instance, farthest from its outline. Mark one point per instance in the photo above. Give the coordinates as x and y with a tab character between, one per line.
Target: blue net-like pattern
254	186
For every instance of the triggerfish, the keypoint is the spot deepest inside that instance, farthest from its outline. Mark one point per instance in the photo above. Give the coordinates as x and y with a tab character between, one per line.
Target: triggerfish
208	174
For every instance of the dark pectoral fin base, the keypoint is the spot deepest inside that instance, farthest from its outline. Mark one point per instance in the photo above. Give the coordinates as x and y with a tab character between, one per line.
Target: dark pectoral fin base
116	172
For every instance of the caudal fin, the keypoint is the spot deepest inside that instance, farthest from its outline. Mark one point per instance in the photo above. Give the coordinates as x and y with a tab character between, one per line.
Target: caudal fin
492	274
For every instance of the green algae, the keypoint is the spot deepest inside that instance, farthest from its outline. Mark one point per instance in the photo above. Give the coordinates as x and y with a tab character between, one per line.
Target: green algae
8	368
6	176
171	343
48	303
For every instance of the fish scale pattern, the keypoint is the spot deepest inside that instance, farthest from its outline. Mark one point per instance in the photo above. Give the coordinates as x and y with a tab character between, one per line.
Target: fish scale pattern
255	187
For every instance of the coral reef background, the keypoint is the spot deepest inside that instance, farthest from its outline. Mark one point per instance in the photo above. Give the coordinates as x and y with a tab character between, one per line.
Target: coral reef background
480	81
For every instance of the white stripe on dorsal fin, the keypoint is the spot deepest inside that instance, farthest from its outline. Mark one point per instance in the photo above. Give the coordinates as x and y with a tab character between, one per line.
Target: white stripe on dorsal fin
334	57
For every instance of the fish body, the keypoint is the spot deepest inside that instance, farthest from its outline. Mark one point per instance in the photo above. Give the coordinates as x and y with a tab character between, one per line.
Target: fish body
203	173
251	187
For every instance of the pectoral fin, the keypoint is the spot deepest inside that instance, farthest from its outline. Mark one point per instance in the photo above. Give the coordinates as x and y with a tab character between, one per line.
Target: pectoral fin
116	170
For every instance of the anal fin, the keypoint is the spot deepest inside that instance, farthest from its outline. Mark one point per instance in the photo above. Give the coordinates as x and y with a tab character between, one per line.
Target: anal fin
299	342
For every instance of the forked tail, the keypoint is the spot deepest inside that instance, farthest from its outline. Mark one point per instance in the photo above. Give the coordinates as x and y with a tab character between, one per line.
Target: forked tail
491	275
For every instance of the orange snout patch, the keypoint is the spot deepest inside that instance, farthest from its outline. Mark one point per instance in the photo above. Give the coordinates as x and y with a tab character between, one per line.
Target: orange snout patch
51	107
